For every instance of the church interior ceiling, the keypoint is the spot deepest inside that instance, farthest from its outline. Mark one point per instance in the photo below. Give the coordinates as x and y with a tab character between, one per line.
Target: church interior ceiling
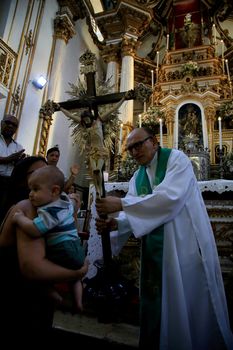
150	21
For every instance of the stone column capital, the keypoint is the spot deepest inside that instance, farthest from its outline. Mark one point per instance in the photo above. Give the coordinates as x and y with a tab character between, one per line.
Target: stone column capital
111	53
63	27
129	46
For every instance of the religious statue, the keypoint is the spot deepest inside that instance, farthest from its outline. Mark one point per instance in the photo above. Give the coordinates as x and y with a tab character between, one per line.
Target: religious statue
190	31
190	126
93	128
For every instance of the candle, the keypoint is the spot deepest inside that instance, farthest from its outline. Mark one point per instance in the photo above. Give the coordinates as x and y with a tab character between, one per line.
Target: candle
152	86
214	33
157	56
120	139
167	42
105	173
145	107
222	46
140	120
152	79
228	73
220	132
161	132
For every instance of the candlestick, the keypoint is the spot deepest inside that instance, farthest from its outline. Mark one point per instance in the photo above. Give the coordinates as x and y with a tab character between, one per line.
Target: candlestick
167	42
140	120
120	139
228	73
161	132
220	132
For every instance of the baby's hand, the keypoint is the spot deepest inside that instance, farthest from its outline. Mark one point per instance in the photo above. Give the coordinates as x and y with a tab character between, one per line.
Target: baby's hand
18	213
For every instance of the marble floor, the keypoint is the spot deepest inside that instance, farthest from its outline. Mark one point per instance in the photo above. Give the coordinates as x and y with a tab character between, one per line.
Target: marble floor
88	331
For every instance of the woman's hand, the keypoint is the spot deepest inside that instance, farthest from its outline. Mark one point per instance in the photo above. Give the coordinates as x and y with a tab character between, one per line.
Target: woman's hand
17	215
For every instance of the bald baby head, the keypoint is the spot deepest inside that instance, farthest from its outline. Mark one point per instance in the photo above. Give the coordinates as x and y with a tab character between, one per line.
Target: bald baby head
50	175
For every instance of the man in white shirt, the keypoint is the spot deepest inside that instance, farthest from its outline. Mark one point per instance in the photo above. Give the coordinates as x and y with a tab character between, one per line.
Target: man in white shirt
10	153
182	298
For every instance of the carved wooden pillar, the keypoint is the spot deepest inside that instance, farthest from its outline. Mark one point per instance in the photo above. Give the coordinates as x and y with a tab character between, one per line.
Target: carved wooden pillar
170	120
210	112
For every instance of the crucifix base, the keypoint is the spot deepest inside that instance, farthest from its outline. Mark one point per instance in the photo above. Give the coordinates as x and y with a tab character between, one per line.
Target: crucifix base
107	292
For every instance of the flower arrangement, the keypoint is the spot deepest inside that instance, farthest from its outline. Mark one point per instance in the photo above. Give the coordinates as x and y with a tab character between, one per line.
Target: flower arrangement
151	117
228	162
128	167
225	111
189	67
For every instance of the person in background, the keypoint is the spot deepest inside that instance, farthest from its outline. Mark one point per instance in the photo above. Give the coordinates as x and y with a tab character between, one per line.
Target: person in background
52	156
182	297
10	153
55	222
26	310
76	200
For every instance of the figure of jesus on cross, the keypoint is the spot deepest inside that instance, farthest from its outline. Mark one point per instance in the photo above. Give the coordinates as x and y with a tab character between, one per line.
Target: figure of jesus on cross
98	153
92	121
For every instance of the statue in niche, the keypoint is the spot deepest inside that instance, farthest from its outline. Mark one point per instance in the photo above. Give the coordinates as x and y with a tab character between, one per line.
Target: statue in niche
190	33
190	126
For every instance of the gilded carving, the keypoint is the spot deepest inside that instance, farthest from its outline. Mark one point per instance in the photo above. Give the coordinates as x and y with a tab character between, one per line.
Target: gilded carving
110	53
16	99
128	46
63	28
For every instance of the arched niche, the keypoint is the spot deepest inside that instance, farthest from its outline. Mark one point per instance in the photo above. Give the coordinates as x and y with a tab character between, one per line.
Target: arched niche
190	120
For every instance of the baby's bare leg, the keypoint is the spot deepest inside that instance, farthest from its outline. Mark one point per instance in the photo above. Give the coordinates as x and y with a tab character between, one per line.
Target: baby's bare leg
78	295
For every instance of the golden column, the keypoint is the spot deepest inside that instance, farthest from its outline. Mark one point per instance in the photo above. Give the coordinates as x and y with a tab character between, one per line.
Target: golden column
170	120
210	112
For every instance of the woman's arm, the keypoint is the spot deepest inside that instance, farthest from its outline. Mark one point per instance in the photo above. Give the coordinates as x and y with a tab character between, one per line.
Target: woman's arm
33	262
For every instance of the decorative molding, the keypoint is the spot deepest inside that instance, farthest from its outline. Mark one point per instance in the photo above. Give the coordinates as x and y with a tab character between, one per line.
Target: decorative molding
16	99
63	27
28	42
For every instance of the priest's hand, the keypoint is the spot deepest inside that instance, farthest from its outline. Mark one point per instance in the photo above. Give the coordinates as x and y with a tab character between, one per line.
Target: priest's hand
106	225
108	205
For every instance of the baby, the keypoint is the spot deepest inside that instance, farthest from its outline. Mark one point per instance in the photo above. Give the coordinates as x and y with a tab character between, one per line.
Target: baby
55	221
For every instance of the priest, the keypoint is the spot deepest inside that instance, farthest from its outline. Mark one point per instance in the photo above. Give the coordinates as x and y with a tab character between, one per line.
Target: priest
182	298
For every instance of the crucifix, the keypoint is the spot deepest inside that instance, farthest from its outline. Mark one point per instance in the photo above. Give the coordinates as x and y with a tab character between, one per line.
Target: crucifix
92	121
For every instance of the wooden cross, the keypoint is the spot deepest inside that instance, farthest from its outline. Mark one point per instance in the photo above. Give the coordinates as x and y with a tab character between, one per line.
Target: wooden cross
107	275
91	101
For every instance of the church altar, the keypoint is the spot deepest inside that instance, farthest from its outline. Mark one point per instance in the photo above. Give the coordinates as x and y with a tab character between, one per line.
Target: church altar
218	197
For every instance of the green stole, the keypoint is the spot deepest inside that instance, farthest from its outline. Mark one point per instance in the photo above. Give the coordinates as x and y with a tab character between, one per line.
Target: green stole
151	263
